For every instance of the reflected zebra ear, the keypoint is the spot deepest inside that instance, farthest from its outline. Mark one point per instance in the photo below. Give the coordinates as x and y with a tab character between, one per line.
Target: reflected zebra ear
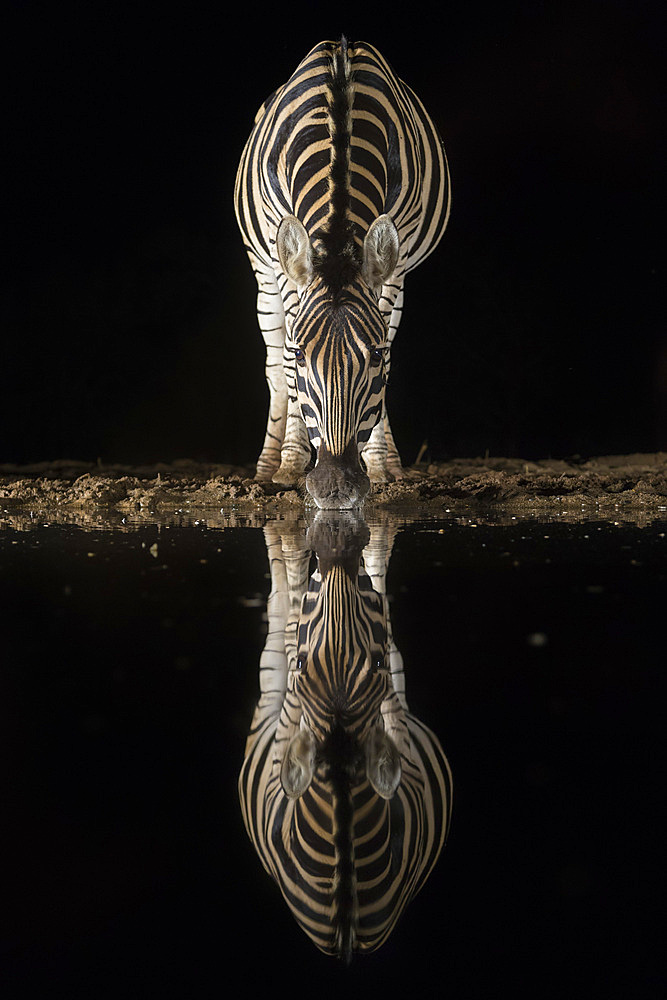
383	763
380	252
294	251
298	767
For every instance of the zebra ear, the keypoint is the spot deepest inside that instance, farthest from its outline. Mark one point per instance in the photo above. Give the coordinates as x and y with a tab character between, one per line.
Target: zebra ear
380	252
298	767
294	251
383	763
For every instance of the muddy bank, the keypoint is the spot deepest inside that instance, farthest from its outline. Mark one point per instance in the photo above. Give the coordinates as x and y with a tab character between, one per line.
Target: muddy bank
623	484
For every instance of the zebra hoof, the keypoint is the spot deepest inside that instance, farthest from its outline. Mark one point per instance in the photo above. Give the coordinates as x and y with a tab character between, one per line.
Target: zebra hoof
380	475
288	476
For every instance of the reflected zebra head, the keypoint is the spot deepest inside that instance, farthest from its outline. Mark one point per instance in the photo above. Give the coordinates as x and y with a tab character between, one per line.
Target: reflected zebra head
339	339
340	677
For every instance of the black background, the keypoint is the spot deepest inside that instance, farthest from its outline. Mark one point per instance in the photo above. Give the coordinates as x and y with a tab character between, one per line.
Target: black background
128	305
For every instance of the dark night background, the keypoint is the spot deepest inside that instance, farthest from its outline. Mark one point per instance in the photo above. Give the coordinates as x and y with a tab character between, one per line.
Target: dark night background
128	321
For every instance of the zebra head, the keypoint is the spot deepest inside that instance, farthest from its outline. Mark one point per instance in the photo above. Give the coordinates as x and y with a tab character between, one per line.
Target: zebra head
339	339
341	679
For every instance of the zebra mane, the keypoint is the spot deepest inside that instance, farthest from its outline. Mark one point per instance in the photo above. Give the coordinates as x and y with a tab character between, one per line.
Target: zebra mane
341	753
338	261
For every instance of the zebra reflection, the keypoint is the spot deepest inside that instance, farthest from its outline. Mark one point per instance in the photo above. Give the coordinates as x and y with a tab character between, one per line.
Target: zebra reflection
345	794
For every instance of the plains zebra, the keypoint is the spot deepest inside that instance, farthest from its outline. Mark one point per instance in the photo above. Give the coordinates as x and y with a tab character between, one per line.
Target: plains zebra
345	794
342	189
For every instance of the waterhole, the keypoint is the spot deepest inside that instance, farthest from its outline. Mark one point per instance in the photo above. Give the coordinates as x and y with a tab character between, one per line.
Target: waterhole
531	649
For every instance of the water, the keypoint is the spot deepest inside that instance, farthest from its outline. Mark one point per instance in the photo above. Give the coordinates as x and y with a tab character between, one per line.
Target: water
533	650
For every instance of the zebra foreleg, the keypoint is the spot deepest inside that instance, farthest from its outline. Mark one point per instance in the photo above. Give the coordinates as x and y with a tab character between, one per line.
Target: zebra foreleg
271	319
374	454
394	465
269	459
380	454
295	451
286	450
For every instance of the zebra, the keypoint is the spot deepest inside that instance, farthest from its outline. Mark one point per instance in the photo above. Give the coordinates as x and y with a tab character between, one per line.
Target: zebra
342	189
345	794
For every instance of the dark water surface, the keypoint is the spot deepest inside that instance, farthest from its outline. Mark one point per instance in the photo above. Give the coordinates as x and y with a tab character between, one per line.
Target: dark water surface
534	650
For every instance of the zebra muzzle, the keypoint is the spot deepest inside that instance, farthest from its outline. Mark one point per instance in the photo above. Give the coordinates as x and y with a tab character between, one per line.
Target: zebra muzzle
338	482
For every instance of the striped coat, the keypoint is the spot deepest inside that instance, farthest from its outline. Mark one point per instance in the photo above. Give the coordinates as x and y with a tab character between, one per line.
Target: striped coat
342	189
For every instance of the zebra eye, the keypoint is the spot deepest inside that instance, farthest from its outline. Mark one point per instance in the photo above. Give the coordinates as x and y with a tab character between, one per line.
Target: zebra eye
376	356
299	356
300	663
378	662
